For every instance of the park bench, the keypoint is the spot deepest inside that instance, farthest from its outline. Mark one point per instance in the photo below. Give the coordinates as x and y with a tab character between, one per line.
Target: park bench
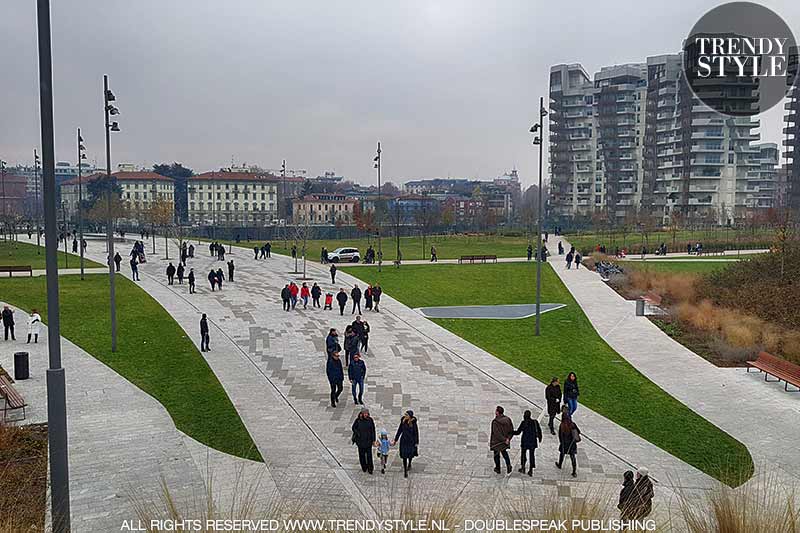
652	298
16	268
777	367
474	258
12	399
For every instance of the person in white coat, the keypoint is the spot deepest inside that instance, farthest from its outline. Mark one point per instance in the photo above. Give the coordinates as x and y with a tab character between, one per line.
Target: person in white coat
34	325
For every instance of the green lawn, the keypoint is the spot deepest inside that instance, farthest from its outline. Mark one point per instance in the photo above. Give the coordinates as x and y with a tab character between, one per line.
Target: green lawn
712	239
153	353
569	342
698	267
21	253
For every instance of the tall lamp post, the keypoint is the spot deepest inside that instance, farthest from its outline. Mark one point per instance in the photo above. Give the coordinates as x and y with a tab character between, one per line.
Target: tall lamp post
377	165
110	110
64	230
538	128
36	167
81	157
3	178
284	211
56	391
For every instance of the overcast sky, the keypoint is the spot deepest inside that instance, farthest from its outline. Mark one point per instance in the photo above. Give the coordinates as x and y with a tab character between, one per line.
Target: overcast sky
450	88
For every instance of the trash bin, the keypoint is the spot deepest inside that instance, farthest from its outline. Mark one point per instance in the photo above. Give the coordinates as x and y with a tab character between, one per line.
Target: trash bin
21	368
639	307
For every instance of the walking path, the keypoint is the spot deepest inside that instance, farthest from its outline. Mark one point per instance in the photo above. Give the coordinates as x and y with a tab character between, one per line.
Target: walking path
272	365
760	415
122	442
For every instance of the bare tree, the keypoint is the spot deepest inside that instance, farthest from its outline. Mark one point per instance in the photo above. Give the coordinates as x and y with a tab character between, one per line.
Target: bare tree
303	232
161	215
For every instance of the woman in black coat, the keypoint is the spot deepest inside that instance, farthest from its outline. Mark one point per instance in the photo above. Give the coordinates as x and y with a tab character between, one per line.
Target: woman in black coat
364	438
531	433
568	438
571	392
625	504
408	435
553	396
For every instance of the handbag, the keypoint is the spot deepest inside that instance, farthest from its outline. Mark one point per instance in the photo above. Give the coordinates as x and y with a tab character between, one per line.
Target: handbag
354	438
576	434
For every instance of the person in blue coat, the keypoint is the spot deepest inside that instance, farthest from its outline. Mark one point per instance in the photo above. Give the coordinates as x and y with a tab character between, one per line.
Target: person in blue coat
332	342
335	374
408	436
356	372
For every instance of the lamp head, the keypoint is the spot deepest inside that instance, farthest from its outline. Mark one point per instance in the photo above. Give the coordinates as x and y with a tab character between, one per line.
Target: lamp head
534	128
110	96
537	141
114	126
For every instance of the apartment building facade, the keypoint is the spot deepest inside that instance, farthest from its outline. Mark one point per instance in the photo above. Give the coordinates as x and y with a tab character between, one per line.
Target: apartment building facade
791	141
140	189
230	198
324	209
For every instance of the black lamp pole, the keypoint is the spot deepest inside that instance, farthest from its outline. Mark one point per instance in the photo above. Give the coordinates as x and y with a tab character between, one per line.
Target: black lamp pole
377	205
538	141
108	97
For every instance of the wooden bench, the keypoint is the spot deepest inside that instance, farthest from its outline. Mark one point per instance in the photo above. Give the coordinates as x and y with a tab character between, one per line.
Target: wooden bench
474	258
13	399
777	367
16	268
652	298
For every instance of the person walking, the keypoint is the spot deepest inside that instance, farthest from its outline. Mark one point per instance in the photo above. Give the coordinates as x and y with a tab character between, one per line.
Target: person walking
571	393
364	438
294	251
364	336
170	274
531	433
376	296
332	342
625	504
434	257
530	252
34	325
74	246
341	297
304	294
500	438
220	278
316	292
570	257
231	269
356	373
118	260
294	290
355	294
191	251
335	373
350	344
212	279
268	249
368	298
560	248
323	255
552	394
204	338
642	497
383	445
333	273
181	271
191	281
286	296
256	250
577	260
568	438
408	437
134	269
8	322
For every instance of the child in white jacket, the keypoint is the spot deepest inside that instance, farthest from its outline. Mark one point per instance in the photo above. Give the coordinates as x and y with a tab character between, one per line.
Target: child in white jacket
34	324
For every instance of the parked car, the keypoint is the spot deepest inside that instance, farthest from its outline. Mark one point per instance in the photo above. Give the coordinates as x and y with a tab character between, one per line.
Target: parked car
344	255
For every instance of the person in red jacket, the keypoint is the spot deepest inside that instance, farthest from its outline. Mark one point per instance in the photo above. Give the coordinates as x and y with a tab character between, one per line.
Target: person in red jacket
294	289
304	294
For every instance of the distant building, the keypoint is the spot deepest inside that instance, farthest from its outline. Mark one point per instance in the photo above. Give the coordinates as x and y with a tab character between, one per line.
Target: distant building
233	198
324	209
12	195
439	186
791	131
412	209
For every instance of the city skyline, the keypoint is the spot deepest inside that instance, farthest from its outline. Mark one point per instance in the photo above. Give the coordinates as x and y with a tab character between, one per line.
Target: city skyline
319	86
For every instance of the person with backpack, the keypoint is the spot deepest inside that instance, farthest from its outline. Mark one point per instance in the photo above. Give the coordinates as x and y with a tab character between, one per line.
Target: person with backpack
568	438
571	393
531	433
316	292
552	394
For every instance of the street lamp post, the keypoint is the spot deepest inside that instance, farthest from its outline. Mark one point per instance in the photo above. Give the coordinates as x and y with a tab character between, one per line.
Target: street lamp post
109	110
284	211
64	231
36	167
5	201
538	141
377	165
56	390
81	157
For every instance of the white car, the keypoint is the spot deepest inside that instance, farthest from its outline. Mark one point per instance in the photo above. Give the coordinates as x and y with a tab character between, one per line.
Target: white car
344	255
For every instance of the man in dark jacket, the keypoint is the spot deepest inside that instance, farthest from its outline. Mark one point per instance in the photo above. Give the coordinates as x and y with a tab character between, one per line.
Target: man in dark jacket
364	438
642	497
332	342
316	292
204	334
117	260
231	268
355	294
333	273
531	433
8	322
500	439
220	278
268	249
212	279
181	270
170	274
360	329
376	296
191	281
286	296
552	393
335	373
341	297
256	249
356	373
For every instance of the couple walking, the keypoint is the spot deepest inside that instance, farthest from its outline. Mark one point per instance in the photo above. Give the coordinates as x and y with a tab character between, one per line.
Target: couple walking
500	441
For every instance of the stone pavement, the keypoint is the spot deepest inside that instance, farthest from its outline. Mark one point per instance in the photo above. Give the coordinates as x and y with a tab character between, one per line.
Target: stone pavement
272	365
760	415
122	442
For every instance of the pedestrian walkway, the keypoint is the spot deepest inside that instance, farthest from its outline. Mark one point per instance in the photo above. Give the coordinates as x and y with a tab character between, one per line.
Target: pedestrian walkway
122	442
760	415
272	365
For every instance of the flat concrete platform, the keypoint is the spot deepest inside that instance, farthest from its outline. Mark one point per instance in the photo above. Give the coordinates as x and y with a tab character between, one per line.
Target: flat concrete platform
499	312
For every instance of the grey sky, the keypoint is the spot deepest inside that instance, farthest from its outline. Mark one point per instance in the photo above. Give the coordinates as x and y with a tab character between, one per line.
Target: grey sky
449	87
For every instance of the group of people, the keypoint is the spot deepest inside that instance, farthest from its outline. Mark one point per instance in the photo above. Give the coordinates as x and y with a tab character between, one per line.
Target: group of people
75	244
217	250
291	291
34	324
573	256
262	252
216	277
364	438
